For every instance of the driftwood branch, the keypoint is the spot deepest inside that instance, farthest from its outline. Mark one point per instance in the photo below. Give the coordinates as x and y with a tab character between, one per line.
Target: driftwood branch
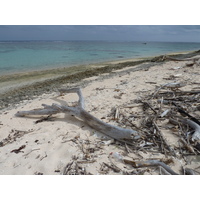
79	111
150	163
189	171
195	126
182	112
163	171
145	163
178	59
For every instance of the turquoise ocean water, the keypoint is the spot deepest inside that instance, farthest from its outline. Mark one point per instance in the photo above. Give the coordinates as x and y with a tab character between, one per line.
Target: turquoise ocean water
40	55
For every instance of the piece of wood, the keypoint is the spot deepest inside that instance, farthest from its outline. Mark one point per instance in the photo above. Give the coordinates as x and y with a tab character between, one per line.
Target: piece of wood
163	171
181	92
195	126
189	171
189	147
79	111
178	59
116	114
48	118
19	149
113	167
164	113
184	113
150	163
163	139
172	86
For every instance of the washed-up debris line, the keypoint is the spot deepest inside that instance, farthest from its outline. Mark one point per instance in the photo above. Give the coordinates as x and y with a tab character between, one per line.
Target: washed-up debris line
13	136
167	111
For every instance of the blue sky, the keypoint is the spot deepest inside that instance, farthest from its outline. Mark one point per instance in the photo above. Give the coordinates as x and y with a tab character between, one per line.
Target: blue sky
169	33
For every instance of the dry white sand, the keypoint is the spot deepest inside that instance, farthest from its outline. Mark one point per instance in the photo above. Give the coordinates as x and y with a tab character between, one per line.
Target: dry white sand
51	145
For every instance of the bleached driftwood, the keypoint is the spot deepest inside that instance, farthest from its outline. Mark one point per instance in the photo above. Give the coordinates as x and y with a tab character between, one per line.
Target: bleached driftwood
179	59
79	111
146	163
192	124
150	163
196	127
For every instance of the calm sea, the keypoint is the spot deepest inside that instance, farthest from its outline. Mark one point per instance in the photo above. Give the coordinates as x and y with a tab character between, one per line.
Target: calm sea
38	55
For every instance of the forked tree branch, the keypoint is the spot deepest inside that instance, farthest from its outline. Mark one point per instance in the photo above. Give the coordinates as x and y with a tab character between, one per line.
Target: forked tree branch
79	111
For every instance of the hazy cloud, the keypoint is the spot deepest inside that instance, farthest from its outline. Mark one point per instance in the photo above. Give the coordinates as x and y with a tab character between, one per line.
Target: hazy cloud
171	33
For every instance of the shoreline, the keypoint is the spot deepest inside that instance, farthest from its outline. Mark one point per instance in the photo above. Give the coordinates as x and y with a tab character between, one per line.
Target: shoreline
26	85
54	69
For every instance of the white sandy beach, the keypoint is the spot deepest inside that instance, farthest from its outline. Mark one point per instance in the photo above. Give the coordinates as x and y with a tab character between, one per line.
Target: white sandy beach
52	145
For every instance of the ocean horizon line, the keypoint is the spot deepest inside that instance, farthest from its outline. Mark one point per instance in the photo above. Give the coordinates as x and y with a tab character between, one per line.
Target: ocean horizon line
145	41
